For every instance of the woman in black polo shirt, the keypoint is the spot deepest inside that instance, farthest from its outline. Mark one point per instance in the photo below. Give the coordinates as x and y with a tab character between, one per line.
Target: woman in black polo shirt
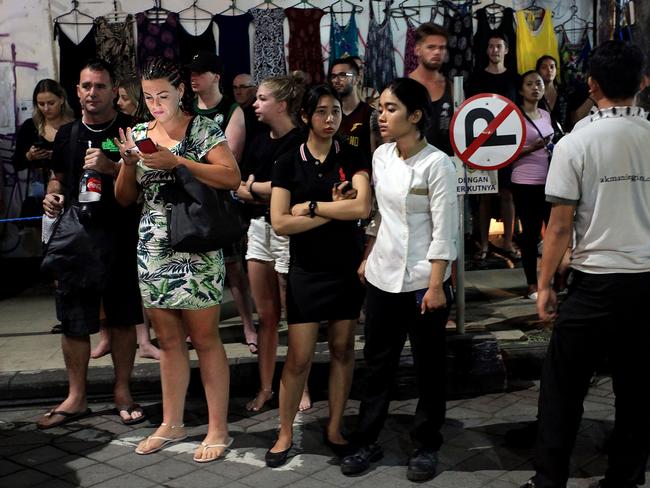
312	201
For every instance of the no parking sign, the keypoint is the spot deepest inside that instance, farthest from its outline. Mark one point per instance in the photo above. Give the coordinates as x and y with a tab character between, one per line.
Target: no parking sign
488	131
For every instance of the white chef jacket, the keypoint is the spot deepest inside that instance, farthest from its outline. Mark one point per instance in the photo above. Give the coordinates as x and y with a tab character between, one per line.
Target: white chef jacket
417	218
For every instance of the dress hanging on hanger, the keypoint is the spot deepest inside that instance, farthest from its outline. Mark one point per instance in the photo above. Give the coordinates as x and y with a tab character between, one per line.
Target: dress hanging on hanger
268	43
157	39
533	45
71	59
344	39
189	44
116	46
410	59
458	22
379	57
486	29
305	51
234	46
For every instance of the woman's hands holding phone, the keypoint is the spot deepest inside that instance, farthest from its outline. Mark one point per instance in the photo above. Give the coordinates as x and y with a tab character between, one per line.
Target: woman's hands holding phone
127	147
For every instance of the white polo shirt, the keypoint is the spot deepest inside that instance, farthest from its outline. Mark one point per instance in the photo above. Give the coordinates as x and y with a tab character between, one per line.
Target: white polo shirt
604	169
417	218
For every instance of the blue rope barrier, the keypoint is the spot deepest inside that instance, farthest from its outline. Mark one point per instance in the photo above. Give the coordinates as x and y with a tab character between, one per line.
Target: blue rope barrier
21	219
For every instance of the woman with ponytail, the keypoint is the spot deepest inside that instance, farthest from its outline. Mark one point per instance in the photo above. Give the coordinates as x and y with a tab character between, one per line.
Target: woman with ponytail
181	291
277	105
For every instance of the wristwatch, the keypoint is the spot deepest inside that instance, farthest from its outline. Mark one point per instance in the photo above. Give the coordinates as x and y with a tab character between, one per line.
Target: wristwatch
312	208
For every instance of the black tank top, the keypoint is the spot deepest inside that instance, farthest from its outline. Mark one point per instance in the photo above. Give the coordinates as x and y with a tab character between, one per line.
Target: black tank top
442	110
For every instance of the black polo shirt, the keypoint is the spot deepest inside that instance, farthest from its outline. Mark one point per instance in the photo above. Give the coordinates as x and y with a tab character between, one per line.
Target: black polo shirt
336	244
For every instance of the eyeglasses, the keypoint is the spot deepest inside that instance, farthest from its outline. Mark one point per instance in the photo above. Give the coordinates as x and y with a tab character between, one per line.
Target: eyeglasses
341	76
242	87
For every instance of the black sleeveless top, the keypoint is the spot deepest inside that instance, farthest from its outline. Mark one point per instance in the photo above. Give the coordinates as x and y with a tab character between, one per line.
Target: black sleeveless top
442	110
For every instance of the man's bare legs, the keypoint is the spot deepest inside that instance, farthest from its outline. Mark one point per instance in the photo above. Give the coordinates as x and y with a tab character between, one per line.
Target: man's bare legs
145	348
123	342
76	355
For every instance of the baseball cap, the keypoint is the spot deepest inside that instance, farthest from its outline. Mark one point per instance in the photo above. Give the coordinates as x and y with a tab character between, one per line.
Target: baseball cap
205	61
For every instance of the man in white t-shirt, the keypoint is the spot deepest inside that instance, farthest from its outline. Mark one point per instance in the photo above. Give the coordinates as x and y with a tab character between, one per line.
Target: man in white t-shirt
599	185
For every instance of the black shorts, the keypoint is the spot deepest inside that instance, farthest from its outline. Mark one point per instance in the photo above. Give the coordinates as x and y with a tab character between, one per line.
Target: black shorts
504	175
78	310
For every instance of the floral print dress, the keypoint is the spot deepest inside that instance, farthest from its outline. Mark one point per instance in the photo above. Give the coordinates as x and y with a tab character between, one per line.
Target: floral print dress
170	279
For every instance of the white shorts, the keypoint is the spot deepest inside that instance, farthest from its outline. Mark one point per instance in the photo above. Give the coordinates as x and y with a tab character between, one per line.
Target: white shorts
265	245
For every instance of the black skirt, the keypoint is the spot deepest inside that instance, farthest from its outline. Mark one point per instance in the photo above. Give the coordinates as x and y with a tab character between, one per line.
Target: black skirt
323	295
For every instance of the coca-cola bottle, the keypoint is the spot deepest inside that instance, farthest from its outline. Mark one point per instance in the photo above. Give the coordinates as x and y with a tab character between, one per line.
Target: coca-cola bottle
90	192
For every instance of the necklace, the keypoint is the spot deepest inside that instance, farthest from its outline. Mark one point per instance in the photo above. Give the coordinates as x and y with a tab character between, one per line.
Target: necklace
97	131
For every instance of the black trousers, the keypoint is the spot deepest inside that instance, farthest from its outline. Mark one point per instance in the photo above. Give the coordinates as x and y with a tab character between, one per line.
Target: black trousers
603	315
389	318
533	210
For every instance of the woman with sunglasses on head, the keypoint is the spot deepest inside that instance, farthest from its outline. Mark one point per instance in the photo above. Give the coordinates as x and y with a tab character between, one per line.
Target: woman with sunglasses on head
320	191
408	277
267	256
181	291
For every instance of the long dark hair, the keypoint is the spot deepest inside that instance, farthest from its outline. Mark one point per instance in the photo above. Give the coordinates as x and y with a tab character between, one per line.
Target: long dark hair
159	68
415	97
311	98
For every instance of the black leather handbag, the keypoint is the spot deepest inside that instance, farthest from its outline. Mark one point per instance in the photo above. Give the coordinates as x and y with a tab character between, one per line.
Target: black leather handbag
200	218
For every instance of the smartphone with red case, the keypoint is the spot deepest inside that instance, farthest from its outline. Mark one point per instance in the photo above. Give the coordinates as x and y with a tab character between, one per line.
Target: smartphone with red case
146	146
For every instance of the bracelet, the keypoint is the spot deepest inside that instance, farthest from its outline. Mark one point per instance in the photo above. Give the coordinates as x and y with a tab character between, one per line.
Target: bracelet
253	194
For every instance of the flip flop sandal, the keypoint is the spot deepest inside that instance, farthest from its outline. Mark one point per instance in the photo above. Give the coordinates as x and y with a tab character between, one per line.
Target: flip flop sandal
67	417
205	446
166	441
129	409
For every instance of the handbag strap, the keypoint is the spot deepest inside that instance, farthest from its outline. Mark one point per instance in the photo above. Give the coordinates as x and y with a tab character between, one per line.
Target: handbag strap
534	124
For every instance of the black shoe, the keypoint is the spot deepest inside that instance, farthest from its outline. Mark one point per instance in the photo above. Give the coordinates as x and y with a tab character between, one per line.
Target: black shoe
360	461
528	484
422	465
340	450
276	459
523	437
56	329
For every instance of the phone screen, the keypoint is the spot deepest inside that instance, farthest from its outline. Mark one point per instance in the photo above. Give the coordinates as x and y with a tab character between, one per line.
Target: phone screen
146	146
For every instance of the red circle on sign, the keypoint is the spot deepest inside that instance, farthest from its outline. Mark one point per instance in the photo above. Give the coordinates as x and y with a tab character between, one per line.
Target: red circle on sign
512	107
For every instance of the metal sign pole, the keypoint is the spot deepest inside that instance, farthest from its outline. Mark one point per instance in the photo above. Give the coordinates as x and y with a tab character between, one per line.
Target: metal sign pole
459	97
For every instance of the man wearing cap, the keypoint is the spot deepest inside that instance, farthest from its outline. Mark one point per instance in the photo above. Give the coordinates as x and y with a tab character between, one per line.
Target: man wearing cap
205	71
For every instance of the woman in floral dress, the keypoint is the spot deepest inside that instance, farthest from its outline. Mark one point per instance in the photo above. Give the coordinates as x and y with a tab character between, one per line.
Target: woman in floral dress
181	291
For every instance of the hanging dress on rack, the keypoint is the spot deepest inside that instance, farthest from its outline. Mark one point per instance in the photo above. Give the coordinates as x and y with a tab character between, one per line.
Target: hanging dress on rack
116	46
484	31
234	45
190	44
410	59
574	58
305	52
157	39
458	22
343	39
379	58
533	45
268	44
71	59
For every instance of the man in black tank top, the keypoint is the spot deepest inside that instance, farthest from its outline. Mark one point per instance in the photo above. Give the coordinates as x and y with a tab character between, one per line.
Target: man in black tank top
430	49
205	71
359	126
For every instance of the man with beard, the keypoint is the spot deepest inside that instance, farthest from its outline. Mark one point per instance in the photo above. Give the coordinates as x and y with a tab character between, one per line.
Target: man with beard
430	50
359	126
88	144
